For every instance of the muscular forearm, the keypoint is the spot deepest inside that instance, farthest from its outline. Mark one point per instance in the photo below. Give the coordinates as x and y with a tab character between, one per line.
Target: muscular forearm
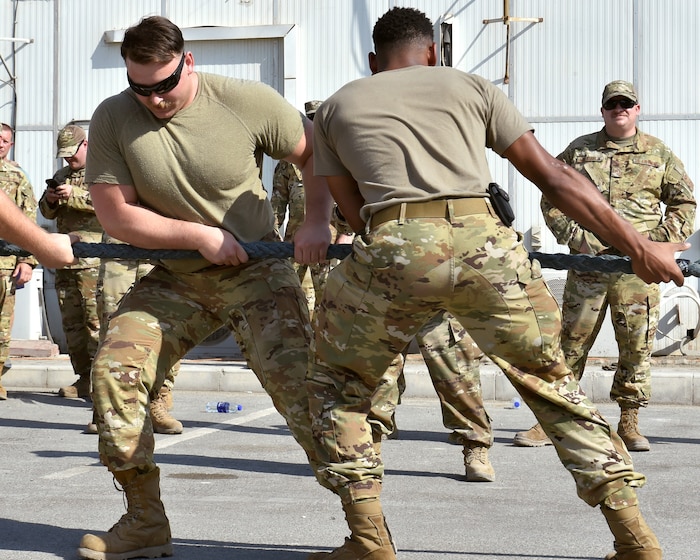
571	192
317	196
50	249
147	229
581	201
15	227
568	232
118	210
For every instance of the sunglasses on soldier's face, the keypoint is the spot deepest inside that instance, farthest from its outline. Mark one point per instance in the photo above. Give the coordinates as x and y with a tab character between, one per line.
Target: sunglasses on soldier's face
164	86
623	102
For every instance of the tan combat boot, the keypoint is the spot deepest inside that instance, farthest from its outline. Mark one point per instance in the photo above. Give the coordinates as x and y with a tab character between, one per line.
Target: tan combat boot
163	422
3	392
142	532
477	464
628	430
534	437
369	539
79	389
92	424
634	540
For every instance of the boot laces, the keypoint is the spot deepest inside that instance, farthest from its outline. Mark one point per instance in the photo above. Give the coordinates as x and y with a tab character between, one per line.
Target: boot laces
158	409
628	420
132	505
477	454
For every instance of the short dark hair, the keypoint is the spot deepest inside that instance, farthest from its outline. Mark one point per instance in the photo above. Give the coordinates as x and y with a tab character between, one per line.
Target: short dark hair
154	39
401	26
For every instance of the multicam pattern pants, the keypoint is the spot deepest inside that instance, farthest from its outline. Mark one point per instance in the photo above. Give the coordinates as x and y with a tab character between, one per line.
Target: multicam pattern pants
452	359
634	310
116	278
474	267
313	280
166	314
7	314
77	299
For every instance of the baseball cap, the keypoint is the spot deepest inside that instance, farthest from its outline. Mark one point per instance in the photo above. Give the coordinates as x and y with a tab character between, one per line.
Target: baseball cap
619	88
69	139
310	107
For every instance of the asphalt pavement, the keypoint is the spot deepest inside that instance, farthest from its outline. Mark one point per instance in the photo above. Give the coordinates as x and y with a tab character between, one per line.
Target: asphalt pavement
236	486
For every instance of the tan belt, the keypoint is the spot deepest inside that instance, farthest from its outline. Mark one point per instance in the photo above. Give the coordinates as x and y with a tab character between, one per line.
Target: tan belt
443	208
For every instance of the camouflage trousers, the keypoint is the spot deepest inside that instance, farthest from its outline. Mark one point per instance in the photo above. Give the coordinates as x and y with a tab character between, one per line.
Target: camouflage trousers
7	314
117	276
376	301
634	311
77	299
313	281
452	359
166	314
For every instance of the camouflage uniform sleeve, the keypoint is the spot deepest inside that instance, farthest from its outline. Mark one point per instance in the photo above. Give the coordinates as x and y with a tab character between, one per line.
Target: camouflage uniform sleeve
677	194
79	199
567	231
280	194
27	203
47	210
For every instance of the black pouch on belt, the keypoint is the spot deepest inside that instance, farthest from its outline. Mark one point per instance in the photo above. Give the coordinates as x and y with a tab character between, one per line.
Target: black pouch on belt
500	200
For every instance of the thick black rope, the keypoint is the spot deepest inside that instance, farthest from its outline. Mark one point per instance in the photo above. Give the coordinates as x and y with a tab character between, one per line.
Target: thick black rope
261	250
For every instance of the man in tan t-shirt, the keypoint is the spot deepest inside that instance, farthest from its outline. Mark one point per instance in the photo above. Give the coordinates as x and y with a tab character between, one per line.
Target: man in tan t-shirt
159	182
416	190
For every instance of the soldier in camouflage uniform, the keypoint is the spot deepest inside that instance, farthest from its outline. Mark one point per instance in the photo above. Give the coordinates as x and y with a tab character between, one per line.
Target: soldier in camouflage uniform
403	153
6	143
68	201
158	181
51	249
15	272
648	186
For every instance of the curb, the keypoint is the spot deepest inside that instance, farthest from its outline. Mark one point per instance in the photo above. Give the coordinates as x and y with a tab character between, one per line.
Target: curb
673	381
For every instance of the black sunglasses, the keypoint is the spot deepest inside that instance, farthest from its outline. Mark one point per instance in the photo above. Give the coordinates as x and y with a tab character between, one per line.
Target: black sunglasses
164	86
624	103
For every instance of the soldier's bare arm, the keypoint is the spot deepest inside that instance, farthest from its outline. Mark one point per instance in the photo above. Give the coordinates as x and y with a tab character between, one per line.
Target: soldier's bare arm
313	238
52	250
122	217
349	199
570	191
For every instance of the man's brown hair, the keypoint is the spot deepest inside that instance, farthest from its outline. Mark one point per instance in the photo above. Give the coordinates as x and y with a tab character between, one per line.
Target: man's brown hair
153	39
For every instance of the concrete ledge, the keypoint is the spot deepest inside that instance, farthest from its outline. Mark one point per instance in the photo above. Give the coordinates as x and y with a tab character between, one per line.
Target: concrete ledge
673	381
33	348
670	383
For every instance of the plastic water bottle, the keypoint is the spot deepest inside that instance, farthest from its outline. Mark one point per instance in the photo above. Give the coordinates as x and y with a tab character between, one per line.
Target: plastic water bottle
516	403
223	407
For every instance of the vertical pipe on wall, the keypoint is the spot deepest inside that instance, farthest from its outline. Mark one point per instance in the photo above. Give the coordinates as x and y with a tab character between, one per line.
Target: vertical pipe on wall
636	39
56	74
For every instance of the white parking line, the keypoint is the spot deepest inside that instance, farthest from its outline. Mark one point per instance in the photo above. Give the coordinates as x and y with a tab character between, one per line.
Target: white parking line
68	473
199	432
236	420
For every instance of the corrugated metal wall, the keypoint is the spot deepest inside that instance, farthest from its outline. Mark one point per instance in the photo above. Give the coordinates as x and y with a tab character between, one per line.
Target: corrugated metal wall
557	67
